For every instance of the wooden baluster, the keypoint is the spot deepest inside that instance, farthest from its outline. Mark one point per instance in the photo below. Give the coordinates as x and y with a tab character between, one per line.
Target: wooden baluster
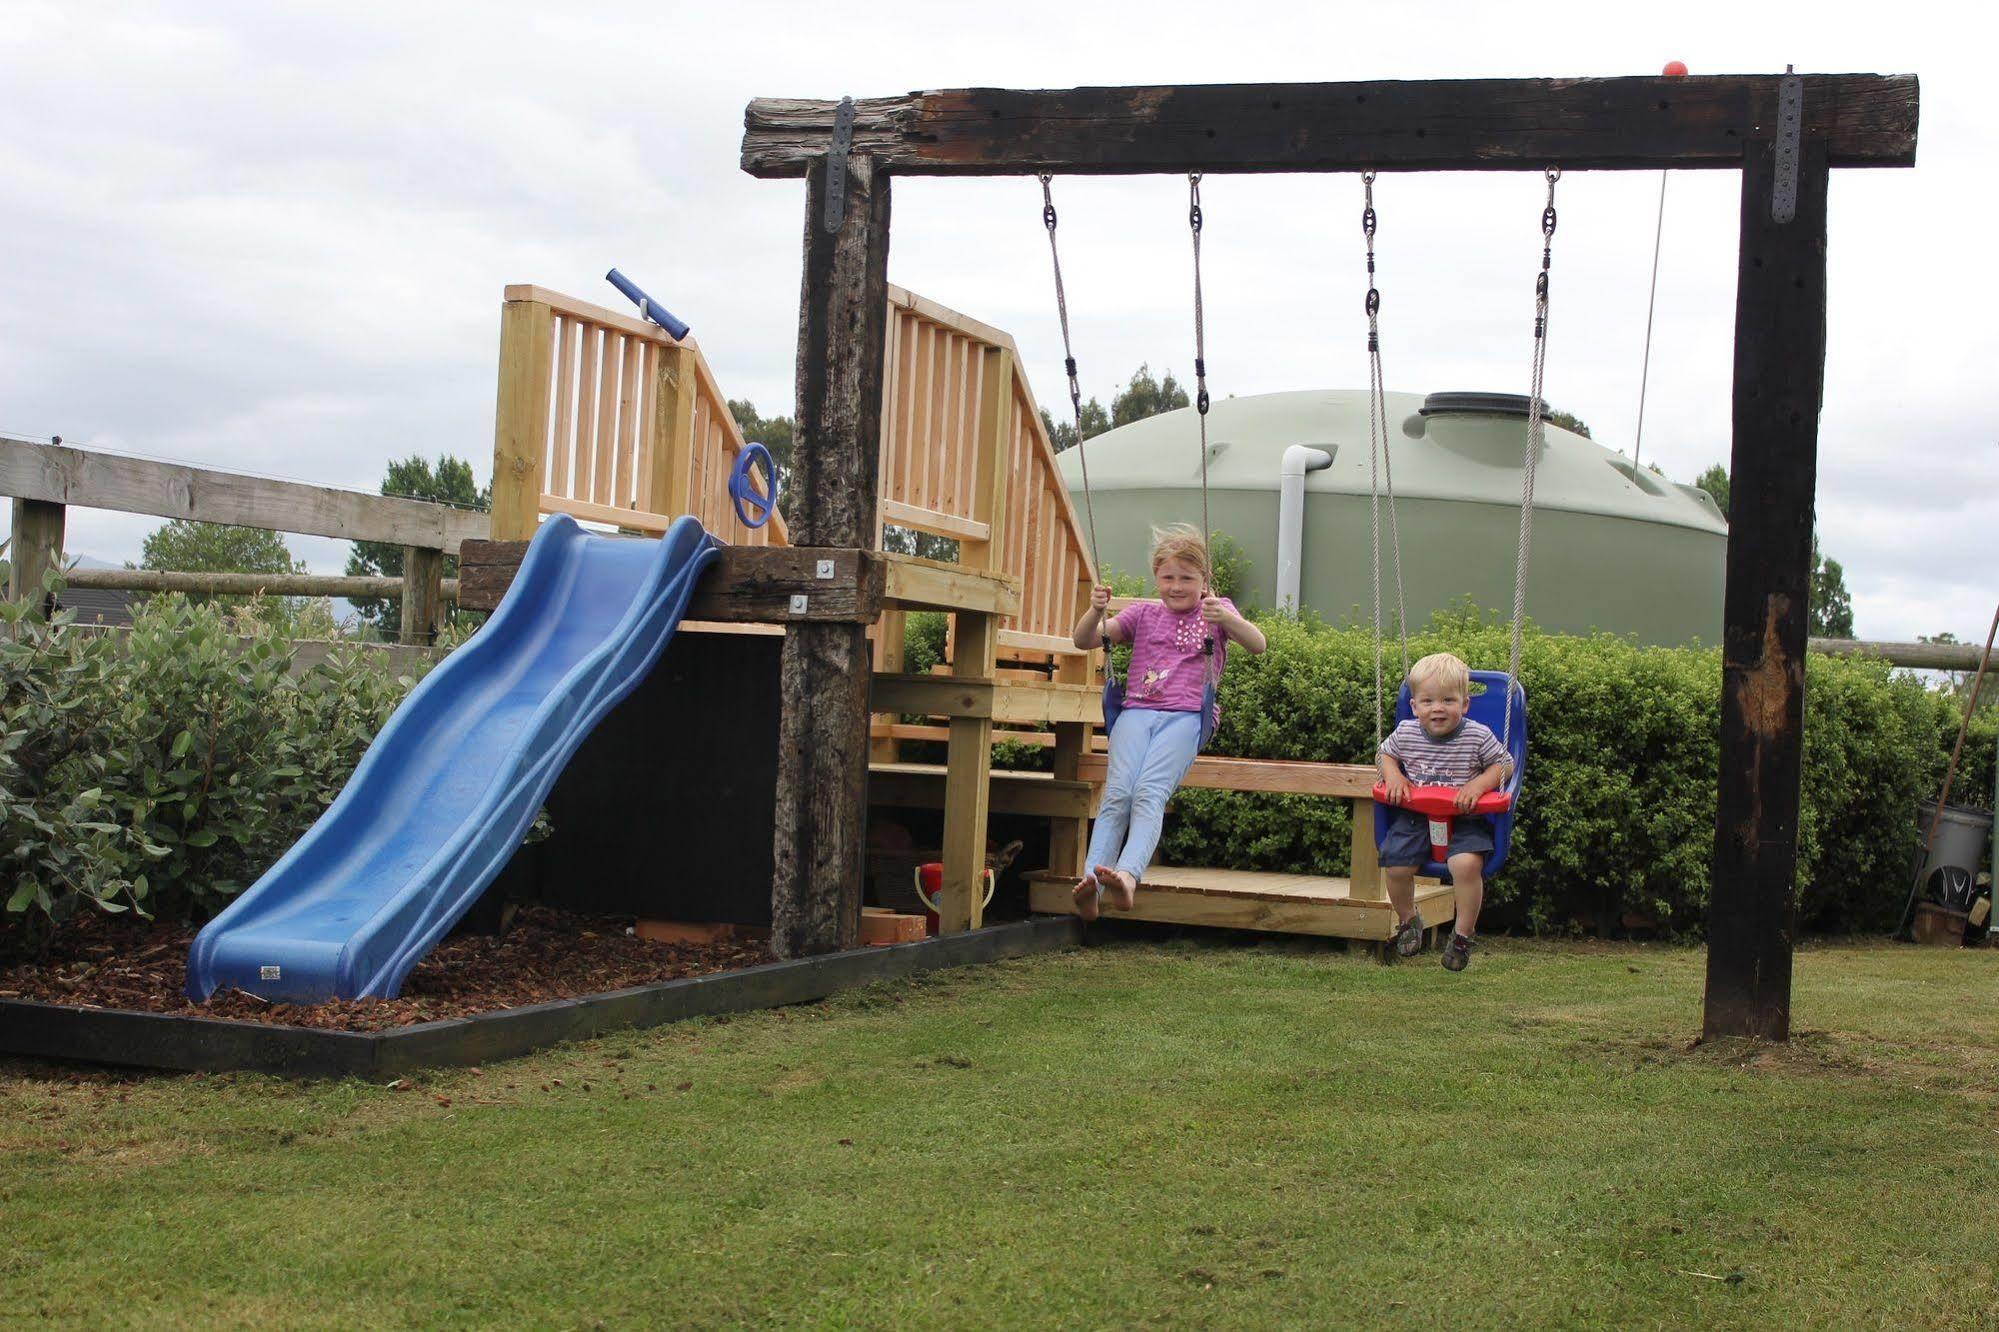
520	426
562	439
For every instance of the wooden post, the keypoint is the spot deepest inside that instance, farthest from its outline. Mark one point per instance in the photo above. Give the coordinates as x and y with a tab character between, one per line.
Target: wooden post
974	654
823	730
1364	872
968	771
520	422
677	391
891	651
1069	839
36	548
1779	382
423	594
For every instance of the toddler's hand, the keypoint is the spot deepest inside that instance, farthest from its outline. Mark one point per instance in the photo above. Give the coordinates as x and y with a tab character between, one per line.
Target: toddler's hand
1467	798
1100	597
1212	609
1398	788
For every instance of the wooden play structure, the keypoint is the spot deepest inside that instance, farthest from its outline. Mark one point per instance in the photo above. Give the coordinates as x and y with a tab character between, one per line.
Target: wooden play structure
609	419
909	414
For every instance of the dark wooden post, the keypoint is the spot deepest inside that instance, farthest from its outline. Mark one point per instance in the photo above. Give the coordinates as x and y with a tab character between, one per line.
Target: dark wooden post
423	594
823	731
36	548
1779	383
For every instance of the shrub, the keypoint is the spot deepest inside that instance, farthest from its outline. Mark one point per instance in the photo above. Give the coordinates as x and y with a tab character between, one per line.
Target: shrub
1619	813
165	772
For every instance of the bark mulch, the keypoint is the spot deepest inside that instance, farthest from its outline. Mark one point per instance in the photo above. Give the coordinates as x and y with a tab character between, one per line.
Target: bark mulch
107	962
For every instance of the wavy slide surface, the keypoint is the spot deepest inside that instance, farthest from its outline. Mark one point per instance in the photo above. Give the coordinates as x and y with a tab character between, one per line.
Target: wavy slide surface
448	789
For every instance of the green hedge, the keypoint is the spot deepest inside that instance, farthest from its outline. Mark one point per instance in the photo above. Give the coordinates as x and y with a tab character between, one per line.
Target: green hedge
163	773
1617	823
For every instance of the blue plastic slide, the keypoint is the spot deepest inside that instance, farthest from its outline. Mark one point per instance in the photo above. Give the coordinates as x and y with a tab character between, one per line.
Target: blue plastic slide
446	792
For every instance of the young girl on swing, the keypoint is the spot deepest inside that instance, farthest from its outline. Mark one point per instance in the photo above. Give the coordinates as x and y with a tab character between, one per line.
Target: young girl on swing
1158	733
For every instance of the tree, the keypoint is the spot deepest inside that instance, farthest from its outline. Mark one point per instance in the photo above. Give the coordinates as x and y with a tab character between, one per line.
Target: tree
1569	421
1145	396
774	433
1715	482
186	546
1829	612
1063	434
449	481
1831	609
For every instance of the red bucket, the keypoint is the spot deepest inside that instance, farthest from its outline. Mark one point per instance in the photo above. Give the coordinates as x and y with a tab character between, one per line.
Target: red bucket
930	882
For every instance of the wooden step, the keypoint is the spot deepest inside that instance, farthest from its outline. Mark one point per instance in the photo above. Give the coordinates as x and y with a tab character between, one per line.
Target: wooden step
1252	900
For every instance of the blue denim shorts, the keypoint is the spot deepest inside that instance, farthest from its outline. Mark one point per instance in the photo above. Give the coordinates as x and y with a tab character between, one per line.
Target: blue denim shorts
1408	840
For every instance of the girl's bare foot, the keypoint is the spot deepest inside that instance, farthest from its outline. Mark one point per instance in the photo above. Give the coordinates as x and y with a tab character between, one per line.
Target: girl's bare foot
1123	888
1088	894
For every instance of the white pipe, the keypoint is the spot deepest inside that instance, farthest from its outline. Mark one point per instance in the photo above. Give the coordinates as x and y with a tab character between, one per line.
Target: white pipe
1298	460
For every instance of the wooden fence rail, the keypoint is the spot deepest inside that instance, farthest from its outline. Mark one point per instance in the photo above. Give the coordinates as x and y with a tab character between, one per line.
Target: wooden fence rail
249	584
46	480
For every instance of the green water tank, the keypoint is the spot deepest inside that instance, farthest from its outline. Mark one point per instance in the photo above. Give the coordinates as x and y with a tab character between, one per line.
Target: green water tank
1633	554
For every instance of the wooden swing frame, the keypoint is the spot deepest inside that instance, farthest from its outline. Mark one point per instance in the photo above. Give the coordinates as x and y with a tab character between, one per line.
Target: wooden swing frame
1784	133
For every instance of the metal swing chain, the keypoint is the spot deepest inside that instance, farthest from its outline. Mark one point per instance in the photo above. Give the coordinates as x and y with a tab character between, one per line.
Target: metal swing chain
1379	468
1200	344
1534	437
1069	364
1213	668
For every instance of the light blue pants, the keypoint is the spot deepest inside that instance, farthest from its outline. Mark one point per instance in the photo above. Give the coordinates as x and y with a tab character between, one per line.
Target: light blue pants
1150	752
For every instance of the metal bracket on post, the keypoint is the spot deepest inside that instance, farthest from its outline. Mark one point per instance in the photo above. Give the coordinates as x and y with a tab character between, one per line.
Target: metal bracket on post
1790	128
836	165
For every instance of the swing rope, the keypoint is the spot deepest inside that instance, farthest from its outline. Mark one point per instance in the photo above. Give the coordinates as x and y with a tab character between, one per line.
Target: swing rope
1534	438
1379	469
1200	345
1651	304
1069	363
1213	665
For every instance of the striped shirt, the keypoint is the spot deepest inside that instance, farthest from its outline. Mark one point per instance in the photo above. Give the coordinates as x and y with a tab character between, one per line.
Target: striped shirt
1450	761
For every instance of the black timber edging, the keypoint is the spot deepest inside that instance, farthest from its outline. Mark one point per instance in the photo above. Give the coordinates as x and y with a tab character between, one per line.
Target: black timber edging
215	1045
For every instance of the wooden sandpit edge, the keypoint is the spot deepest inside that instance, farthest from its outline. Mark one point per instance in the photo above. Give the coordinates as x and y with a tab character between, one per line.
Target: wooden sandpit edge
187	1044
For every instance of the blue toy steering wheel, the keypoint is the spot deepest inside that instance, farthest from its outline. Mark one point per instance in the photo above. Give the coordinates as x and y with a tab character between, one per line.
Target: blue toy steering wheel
754	509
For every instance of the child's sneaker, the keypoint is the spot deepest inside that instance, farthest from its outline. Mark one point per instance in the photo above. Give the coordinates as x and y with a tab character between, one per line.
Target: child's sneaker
1457	953
1408	938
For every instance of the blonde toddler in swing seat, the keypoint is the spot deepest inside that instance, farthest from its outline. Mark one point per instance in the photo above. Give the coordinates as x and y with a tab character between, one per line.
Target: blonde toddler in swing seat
1439	746
1175	643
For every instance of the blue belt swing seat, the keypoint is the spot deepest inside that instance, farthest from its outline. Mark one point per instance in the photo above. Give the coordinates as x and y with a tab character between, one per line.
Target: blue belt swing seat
1114	695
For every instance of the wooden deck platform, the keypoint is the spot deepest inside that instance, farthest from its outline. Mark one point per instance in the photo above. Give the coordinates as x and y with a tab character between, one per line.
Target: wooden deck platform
1249	900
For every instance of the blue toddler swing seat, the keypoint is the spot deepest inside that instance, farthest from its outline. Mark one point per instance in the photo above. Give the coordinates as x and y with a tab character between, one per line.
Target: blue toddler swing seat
1489	707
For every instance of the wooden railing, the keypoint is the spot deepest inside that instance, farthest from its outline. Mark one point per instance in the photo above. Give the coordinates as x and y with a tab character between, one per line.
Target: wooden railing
608	419
46	480
934	393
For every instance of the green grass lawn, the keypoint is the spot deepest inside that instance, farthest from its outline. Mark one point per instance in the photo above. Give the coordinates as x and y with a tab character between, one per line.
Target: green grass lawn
1194	1132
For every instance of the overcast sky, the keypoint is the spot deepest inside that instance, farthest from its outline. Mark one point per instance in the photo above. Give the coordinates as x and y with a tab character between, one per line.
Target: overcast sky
273	238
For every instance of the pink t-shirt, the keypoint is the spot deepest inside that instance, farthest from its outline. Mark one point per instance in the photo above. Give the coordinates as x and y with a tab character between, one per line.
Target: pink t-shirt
1169	671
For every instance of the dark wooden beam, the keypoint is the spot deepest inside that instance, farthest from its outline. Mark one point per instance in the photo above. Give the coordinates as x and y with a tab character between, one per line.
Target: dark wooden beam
1440	125
1780	324
821	819
745	584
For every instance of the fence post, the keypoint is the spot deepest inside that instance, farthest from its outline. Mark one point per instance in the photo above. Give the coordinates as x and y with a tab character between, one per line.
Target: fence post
520	422
423	594
36	548
969	760
1069	839
676	394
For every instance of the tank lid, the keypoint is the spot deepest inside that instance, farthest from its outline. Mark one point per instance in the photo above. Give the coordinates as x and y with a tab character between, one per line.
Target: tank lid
1478	404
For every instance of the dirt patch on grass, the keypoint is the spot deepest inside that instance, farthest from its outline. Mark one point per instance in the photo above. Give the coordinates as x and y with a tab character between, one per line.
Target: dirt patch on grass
110	963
